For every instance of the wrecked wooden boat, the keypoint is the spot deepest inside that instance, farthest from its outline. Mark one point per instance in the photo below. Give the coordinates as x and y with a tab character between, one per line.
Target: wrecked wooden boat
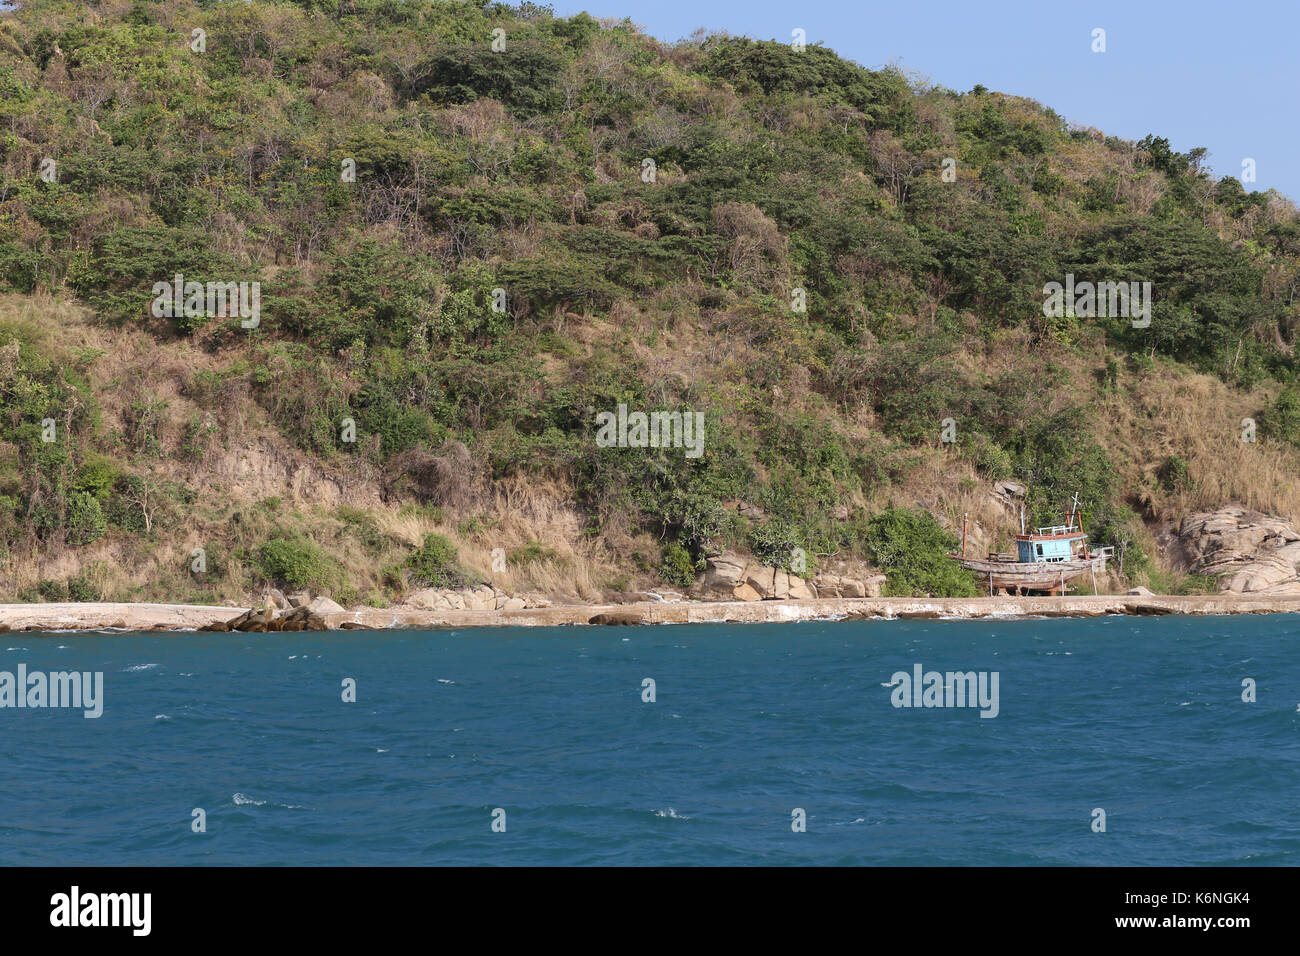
1046	560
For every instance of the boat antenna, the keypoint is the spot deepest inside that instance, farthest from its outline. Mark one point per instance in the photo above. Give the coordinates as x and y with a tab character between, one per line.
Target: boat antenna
965	516
1022	519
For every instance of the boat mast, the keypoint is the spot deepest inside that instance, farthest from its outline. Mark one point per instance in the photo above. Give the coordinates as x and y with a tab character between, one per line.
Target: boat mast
1074	505
965	516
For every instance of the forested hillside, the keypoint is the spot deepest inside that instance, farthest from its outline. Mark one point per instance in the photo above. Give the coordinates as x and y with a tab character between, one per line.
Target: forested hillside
475	228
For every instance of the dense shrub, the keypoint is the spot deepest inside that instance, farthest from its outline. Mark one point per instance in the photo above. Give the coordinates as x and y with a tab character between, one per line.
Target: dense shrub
773	544
298	564
435	564
86	522
678	568
81	588
912	549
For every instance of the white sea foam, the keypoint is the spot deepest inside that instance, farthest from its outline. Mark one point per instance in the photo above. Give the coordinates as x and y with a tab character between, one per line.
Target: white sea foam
670	813
138	667
241	799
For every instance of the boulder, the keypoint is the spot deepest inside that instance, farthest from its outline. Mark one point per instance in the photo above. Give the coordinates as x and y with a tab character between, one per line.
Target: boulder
426	599
323	605
826	588
850	588
799	589
277	598
299	619
257	620
743	592
761	579
299	599
723	572
780	585
831	585
1249	552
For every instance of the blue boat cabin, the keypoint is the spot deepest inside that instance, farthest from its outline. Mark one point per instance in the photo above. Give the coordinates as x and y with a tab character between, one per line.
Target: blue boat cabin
1049	545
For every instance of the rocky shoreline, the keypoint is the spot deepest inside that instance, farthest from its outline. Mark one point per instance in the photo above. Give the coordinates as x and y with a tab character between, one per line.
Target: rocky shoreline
180	617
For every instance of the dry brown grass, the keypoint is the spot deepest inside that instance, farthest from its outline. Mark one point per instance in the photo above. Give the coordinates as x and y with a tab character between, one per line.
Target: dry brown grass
1167	412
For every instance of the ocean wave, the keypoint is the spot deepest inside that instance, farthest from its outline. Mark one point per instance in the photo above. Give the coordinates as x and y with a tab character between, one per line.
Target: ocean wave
244	800
138	667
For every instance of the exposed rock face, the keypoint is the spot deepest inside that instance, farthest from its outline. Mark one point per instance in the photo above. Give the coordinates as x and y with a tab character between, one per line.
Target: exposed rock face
1250	552
724	573
733	577
830	585
800	590
1008	494
1009	489
481	598
760	578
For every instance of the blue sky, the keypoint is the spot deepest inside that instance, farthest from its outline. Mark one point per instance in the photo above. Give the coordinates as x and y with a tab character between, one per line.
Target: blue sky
1222	75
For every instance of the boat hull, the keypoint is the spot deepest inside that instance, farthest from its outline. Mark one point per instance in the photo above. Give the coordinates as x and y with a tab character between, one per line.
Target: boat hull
1031	576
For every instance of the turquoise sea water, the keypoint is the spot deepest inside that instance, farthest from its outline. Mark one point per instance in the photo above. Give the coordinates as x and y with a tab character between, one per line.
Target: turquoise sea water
1140	717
